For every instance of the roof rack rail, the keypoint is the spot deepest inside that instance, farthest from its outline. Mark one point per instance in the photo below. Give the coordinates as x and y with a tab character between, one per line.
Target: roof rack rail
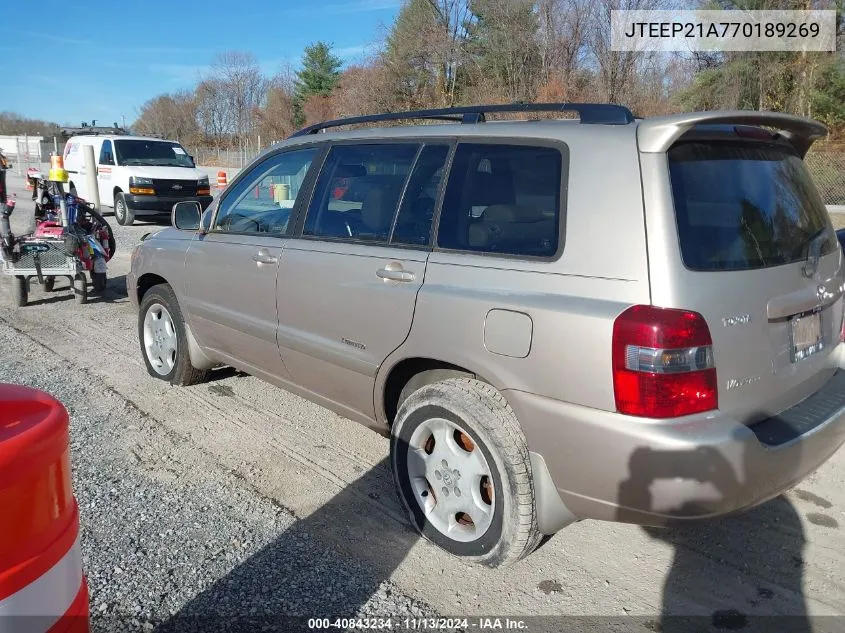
589	113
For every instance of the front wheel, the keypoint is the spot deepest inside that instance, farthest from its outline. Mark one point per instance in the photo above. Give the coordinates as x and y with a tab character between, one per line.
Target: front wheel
122	213
98	281
461	465
161	331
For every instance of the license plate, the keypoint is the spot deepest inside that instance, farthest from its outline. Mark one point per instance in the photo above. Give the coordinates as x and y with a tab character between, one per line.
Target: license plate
806	336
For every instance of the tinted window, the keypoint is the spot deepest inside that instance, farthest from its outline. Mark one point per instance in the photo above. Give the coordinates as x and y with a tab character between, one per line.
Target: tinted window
263	200
157	153
502	199
413	224
358	191
106	156
743	206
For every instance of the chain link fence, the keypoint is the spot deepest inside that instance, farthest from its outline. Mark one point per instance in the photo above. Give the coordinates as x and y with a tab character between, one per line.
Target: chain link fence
828	171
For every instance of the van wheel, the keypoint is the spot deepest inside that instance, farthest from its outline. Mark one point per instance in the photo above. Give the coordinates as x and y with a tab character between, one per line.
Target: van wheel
161	331
122	213
20	291
461	466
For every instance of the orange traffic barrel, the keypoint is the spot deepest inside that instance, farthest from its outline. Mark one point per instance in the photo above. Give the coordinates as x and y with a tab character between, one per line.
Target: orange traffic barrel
42	585
222	183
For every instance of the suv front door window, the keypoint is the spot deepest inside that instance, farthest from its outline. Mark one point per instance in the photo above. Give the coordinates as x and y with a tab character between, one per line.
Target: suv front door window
231	271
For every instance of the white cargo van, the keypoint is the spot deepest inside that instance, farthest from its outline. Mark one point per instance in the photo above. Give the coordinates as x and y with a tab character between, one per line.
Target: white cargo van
136	175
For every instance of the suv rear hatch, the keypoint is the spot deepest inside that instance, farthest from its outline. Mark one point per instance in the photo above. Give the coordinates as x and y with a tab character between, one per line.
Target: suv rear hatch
754	253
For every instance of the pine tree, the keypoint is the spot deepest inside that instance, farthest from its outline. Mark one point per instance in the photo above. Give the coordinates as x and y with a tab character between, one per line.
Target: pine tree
319	75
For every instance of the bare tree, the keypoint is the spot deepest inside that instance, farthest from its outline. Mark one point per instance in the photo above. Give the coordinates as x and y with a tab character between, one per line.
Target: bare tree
240	88
170	116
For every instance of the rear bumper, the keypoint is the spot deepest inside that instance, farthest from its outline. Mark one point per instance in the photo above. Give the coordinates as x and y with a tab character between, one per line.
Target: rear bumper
155	205
612	467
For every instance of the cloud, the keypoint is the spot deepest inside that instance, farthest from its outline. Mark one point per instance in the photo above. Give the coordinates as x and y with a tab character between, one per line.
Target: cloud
55	38
180	72
353	6
351	51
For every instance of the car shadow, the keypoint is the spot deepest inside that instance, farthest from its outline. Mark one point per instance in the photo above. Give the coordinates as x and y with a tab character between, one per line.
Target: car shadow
316	568
740	572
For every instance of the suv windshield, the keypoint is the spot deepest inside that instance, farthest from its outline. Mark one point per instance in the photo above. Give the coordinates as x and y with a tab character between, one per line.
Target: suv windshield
152	153
742	206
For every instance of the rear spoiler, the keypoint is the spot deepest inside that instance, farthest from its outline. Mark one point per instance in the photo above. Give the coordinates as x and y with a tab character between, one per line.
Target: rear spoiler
657	134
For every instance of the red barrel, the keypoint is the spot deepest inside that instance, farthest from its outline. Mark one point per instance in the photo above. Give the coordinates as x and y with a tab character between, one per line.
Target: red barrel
42	586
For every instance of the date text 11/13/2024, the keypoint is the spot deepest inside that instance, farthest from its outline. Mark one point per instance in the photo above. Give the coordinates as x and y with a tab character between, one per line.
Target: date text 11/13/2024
418	624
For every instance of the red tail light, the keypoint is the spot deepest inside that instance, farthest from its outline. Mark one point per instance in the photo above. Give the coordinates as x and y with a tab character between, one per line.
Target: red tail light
663	363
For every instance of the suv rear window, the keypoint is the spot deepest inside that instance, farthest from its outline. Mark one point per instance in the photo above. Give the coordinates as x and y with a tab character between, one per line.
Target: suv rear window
742	206
502	199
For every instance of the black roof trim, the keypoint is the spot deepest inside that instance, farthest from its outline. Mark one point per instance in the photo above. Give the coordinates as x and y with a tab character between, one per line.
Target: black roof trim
589	113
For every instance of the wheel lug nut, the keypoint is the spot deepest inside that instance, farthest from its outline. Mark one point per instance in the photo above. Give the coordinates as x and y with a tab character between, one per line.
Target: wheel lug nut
437	474
457	491
445	464
445	491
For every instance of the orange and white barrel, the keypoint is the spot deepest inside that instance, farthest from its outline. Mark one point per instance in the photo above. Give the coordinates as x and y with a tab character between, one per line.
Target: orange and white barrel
222	181
42	585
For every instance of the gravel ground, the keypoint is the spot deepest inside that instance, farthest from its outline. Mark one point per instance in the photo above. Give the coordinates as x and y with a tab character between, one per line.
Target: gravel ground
166	530
234	498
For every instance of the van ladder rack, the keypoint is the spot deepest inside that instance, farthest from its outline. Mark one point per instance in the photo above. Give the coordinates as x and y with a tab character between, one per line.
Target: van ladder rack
589	113
91	131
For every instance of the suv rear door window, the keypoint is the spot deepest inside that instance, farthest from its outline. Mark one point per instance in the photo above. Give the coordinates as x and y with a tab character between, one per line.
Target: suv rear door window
742	206
358	191
503	199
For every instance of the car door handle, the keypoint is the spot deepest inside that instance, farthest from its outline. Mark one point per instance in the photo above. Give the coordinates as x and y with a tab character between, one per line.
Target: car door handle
395	275
263	257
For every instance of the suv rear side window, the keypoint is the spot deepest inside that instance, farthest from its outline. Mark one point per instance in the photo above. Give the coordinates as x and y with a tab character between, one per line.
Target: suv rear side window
503	199
741	206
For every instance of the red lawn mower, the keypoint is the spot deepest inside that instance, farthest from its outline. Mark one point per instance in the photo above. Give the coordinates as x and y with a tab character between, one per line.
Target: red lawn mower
70	240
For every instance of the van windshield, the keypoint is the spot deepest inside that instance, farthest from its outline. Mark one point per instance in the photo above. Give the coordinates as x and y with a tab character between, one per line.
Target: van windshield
743	206
152	153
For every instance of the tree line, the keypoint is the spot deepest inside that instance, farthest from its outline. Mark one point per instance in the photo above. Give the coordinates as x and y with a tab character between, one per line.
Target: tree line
440	53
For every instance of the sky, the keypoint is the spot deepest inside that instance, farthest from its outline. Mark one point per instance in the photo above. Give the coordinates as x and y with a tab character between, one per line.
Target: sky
102	59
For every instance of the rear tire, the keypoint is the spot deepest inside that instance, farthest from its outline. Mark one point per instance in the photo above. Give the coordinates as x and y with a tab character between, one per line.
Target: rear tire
80	288
461	465
49	283
98	281
20	291
122	213
163	339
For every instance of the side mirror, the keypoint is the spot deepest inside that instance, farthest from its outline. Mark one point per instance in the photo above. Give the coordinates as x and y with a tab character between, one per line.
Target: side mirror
186	215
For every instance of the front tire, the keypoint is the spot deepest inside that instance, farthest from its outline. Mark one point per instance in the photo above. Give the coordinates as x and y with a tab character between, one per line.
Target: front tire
164	346
98	281
122	213
461	465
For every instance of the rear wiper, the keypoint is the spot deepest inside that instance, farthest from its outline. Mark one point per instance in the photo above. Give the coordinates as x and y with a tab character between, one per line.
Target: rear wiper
814	250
